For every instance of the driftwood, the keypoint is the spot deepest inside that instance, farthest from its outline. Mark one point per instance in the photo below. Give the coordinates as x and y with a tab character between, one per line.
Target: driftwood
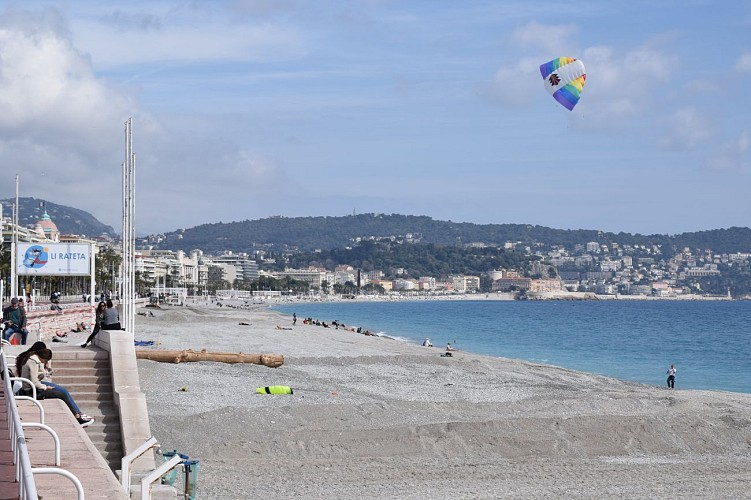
270	360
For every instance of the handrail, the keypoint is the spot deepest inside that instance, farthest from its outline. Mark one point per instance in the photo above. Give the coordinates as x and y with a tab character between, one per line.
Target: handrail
24	476
156	474
36	403
26	484
128	459
31	384
62	472
52	433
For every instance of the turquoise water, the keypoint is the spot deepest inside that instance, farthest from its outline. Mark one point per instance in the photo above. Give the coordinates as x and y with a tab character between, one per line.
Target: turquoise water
708	341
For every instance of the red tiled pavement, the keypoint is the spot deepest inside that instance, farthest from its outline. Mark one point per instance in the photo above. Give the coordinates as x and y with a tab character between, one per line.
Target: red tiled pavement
78	455
8	484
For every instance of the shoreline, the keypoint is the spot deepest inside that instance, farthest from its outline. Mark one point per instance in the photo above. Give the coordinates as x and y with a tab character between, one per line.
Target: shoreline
491	296
410	336
376	418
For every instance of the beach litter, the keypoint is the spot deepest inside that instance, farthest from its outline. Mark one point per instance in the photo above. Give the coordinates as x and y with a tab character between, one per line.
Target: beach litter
275	389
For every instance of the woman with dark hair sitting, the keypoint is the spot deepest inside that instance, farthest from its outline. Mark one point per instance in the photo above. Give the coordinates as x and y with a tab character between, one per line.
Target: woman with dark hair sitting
36	367
99	317
111	317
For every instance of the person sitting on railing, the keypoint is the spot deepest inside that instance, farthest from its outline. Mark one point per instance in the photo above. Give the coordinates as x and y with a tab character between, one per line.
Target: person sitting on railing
14	321
37	368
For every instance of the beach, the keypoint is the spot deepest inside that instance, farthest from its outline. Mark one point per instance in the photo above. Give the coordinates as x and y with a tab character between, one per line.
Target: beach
372	417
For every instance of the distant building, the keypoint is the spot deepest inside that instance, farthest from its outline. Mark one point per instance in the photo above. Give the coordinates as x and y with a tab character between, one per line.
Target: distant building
47	228
466	284
313	277
546	285
511	284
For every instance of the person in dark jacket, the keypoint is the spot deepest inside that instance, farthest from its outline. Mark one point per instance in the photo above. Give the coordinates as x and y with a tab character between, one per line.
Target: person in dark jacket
14	321
111	317
99	317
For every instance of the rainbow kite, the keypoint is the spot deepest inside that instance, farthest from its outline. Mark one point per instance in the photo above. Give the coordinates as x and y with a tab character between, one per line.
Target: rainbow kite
564	78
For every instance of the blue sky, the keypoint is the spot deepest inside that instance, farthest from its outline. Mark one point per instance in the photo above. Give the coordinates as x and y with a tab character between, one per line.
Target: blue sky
246	109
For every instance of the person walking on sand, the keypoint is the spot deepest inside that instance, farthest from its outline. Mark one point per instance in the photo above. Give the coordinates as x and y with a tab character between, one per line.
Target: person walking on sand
671	376
294	319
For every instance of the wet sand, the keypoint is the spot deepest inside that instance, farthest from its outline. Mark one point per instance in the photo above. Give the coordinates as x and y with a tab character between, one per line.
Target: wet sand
372	417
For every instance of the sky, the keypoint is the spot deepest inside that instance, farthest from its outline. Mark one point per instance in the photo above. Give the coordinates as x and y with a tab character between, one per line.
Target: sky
246	109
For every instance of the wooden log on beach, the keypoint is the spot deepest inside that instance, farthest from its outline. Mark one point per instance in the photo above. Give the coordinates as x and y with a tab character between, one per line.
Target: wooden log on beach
270	360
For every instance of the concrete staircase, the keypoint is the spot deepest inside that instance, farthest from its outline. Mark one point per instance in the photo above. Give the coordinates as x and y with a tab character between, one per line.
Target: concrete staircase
86	374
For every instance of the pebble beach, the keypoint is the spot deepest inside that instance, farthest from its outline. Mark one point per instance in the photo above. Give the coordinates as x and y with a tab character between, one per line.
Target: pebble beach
372	417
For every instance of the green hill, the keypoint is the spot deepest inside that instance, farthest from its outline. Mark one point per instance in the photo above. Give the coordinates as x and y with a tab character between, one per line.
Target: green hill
325	233
68	220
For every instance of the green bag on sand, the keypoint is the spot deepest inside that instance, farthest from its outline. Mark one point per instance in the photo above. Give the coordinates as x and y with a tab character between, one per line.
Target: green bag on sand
274	389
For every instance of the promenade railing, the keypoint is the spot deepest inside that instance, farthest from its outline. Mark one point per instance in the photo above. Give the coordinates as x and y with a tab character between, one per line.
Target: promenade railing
24	475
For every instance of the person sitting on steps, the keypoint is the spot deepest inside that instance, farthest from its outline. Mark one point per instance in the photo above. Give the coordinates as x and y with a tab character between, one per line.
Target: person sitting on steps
98	317
37	368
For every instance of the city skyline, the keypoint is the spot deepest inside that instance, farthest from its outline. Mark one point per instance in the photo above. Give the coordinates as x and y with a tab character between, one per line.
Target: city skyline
249	109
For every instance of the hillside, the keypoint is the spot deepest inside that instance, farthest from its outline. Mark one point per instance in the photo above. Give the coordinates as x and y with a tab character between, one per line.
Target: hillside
68	220
324	233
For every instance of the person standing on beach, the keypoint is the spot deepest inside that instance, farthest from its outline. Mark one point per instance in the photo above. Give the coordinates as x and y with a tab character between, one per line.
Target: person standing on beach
294	319
671	376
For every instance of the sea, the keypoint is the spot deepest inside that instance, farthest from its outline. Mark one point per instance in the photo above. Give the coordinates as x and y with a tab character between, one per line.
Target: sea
635	340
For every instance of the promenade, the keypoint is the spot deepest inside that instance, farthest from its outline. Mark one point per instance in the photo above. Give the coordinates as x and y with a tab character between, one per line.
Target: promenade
77	455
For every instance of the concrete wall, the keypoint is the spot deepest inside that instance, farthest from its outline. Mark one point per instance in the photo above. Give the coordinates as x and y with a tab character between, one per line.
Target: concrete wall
126	385
44	323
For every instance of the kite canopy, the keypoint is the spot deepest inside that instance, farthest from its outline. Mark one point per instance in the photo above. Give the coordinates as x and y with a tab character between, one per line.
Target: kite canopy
564	78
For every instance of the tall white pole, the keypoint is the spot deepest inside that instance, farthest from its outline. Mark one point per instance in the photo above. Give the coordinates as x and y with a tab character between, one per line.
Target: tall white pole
127	281
13	245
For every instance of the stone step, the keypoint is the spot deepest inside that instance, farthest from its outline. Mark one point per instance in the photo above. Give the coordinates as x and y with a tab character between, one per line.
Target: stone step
86	374
81	368
65	379
85	388
75	353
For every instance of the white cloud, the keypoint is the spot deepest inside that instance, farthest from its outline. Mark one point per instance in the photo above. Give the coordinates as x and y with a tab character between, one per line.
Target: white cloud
61	129
121	38
552	39
734	155
744	62
517	84
59	124
686	128
621	85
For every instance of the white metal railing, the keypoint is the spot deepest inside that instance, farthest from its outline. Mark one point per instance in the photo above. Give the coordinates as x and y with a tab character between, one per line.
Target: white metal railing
156	474
24	470
32	398
148	480
128	459
61	472
52	433
26	485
